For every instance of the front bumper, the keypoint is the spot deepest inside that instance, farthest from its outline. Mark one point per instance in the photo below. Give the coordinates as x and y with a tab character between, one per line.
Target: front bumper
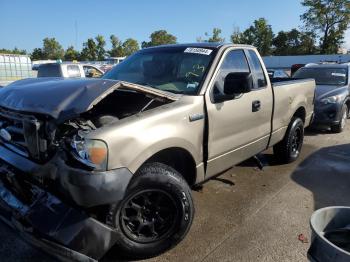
327	115
55	227
84	188
59	225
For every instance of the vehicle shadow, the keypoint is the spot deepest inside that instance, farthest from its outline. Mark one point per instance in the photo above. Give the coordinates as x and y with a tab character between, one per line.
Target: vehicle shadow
114	255
312	131
326	173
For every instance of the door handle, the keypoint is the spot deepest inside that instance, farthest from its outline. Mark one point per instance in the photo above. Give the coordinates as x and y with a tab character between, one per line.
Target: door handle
256	106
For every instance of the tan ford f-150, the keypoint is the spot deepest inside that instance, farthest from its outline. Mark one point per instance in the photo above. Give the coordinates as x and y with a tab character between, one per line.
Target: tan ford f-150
90	165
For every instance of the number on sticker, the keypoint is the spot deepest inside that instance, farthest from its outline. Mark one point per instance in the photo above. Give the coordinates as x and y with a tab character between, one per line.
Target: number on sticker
196	50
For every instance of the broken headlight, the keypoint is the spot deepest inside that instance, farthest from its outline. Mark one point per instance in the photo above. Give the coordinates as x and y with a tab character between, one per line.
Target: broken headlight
93	153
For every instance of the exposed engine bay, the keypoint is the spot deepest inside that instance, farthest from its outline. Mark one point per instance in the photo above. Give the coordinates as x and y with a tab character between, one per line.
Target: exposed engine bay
118	105
38	136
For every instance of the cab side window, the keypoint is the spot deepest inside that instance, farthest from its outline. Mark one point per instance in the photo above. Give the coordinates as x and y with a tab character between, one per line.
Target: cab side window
92	72
258	72
235	61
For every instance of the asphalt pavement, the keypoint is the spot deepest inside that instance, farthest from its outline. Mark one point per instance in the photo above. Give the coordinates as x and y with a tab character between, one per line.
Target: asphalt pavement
249	214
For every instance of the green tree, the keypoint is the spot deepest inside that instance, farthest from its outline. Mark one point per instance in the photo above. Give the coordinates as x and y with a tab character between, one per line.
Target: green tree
236	36
14	51
215	37
100	47
259	35
117	49
89	51
126	48
308	43
294	42
328	18
71	54
52	49
37	54
160	37
130	46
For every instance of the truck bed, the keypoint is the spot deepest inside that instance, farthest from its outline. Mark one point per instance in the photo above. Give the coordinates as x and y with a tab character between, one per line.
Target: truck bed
300	93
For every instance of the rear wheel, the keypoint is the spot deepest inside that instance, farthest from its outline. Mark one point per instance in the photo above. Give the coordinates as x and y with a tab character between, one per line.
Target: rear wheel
342	122
155	215
288	150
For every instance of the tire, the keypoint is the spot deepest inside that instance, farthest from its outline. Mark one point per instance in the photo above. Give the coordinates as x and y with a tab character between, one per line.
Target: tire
288	150
164	223
342	122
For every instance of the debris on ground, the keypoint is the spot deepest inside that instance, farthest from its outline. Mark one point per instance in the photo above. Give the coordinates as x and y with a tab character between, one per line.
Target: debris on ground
303	239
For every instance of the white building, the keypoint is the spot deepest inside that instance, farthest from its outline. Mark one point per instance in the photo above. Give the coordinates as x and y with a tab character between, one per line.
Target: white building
285	62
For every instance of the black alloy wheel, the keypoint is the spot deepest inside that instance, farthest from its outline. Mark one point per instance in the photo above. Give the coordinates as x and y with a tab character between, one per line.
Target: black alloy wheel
296	141
149	216
156	213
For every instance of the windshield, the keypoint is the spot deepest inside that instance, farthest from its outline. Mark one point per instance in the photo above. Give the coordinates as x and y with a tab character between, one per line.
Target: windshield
178	70
324	76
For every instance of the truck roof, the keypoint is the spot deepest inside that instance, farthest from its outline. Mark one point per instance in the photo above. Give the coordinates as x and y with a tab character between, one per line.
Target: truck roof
211	45
329	65
67	63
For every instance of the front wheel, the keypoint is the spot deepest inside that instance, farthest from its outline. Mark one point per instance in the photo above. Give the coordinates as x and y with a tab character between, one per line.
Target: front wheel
288	150
156	213
342	122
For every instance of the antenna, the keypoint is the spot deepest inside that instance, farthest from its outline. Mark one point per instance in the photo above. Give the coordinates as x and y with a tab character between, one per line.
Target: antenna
76	34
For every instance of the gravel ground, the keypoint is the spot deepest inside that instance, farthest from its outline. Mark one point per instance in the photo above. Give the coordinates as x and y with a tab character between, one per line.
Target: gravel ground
247	214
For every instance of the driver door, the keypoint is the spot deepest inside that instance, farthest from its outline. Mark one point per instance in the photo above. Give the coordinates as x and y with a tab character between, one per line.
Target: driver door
238	128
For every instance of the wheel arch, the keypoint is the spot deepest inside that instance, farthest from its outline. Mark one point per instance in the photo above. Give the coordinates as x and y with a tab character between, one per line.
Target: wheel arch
178	158
347	102
301	113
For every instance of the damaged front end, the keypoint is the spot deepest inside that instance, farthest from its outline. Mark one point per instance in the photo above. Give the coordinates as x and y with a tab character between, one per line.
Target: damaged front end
54	183
49	224
64	226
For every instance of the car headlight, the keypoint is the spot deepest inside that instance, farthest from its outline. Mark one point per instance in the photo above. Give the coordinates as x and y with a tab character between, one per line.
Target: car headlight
93	153
331	100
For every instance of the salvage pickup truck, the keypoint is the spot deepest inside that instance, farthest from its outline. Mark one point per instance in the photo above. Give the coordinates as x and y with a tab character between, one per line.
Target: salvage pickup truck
87	165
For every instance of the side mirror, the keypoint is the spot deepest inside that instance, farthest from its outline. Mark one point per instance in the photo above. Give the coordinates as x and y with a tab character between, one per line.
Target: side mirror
238	83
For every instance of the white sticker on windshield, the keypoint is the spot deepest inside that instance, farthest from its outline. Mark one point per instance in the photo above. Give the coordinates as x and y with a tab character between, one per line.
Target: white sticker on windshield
339	74
196	50
192	85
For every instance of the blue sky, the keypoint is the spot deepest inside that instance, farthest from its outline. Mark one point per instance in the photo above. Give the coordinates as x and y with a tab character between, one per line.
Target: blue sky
25	23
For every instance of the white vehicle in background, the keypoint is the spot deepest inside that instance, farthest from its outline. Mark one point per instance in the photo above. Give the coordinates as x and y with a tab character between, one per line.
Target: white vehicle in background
69	70
110	62
115	60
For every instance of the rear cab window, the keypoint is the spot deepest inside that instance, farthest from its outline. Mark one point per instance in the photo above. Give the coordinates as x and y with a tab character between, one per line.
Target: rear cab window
49	70
73	71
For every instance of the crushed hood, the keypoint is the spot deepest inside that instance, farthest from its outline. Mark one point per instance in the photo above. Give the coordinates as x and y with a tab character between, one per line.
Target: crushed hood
62	98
